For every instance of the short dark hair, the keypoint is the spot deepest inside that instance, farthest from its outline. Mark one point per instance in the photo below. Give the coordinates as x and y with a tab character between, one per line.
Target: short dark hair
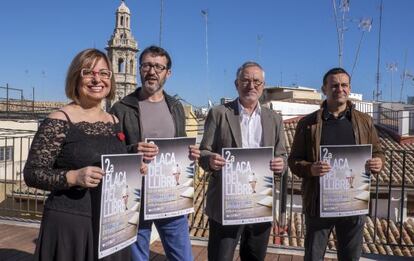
333	71
156	51
246	65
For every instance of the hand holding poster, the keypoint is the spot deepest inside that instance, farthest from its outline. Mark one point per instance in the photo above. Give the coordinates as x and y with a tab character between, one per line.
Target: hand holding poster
344	191
247	185
169	189
120	202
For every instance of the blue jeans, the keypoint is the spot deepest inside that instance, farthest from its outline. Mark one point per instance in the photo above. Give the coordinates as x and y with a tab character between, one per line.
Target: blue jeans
174	236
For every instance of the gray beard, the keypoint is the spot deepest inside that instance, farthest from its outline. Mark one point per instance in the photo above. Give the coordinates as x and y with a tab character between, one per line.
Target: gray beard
151	89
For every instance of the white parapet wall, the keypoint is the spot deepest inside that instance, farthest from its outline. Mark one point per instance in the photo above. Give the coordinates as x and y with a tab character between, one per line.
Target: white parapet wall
395	207
366	107
401	116
291	109
15	141
403	123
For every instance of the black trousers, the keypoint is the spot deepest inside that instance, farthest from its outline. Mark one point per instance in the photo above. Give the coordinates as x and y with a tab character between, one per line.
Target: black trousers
349	233
222	241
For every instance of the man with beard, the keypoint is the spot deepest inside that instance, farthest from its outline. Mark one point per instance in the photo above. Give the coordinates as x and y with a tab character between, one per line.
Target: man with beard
149	112
337	122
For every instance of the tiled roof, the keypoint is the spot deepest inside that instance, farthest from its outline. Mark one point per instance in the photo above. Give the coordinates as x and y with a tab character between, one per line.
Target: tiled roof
294	236
198	221
388	144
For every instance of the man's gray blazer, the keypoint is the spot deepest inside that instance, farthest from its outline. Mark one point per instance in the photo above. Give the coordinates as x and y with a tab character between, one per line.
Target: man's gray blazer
222	130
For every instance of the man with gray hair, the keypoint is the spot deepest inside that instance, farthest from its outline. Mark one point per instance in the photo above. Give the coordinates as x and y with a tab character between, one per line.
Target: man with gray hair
241	123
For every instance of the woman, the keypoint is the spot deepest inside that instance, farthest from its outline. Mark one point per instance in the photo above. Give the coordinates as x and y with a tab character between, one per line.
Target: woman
65	158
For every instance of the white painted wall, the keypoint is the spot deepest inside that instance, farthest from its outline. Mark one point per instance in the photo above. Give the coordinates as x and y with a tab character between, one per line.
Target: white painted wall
382	210
366	107
291	109
19	135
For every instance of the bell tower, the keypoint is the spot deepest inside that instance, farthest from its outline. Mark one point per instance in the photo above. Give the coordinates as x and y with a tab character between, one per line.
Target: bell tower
122	52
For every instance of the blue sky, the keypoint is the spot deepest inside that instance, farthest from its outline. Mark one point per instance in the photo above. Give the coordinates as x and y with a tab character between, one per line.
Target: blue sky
298	42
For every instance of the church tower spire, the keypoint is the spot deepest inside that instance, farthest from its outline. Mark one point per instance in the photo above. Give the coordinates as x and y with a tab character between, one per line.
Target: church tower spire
122	52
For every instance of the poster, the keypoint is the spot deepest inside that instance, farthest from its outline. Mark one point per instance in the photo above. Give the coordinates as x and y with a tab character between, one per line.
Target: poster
247	185
345	190
120	202
169	184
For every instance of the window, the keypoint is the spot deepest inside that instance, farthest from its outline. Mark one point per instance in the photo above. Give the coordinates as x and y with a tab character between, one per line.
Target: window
131	66
122	21
121	65
6	153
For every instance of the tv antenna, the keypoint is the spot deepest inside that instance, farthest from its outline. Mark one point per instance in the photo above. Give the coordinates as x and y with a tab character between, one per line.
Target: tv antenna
392	67
364	25
259	46
340	25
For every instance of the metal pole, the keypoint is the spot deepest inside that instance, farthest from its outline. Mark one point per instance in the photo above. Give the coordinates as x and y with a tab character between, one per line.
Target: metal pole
283	199
21	100
379	52
33	100
389	197
259	46
365	26
281	78
392	67
403	76
161	17
392	76
341	54
338	33
7	100
376	208
402	195
205	15
357	53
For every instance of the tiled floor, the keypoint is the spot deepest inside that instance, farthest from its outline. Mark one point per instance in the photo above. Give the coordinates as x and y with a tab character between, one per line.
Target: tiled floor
17	243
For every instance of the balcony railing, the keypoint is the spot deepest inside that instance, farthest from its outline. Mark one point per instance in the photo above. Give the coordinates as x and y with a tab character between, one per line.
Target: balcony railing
17	201
400	121
389	228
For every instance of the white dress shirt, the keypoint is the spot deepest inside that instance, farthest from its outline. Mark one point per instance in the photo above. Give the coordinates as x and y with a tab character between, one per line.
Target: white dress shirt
251	127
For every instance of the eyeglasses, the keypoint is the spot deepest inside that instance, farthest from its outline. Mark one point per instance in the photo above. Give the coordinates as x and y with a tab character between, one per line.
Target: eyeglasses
247	82
159	68
103	73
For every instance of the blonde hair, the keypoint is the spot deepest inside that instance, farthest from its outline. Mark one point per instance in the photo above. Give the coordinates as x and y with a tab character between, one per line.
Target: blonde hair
85	59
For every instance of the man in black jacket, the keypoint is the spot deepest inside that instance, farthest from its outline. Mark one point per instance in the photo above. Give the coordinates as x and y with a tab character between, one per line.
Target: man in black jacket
149	112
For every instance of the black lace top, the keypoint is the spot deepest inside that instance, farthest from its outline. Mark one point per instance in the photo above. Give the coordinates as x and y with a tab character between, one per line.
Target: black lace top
60	146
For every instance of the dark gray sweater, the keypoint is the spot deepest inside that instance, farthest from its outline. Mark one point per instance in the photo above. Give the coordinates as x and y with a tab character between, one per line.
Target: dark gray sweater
128	113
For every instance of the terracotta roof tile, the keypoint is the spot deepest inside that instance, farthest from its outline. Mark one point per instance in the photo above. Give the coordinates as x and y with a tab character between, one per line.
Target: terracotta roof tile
388	144
293	235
